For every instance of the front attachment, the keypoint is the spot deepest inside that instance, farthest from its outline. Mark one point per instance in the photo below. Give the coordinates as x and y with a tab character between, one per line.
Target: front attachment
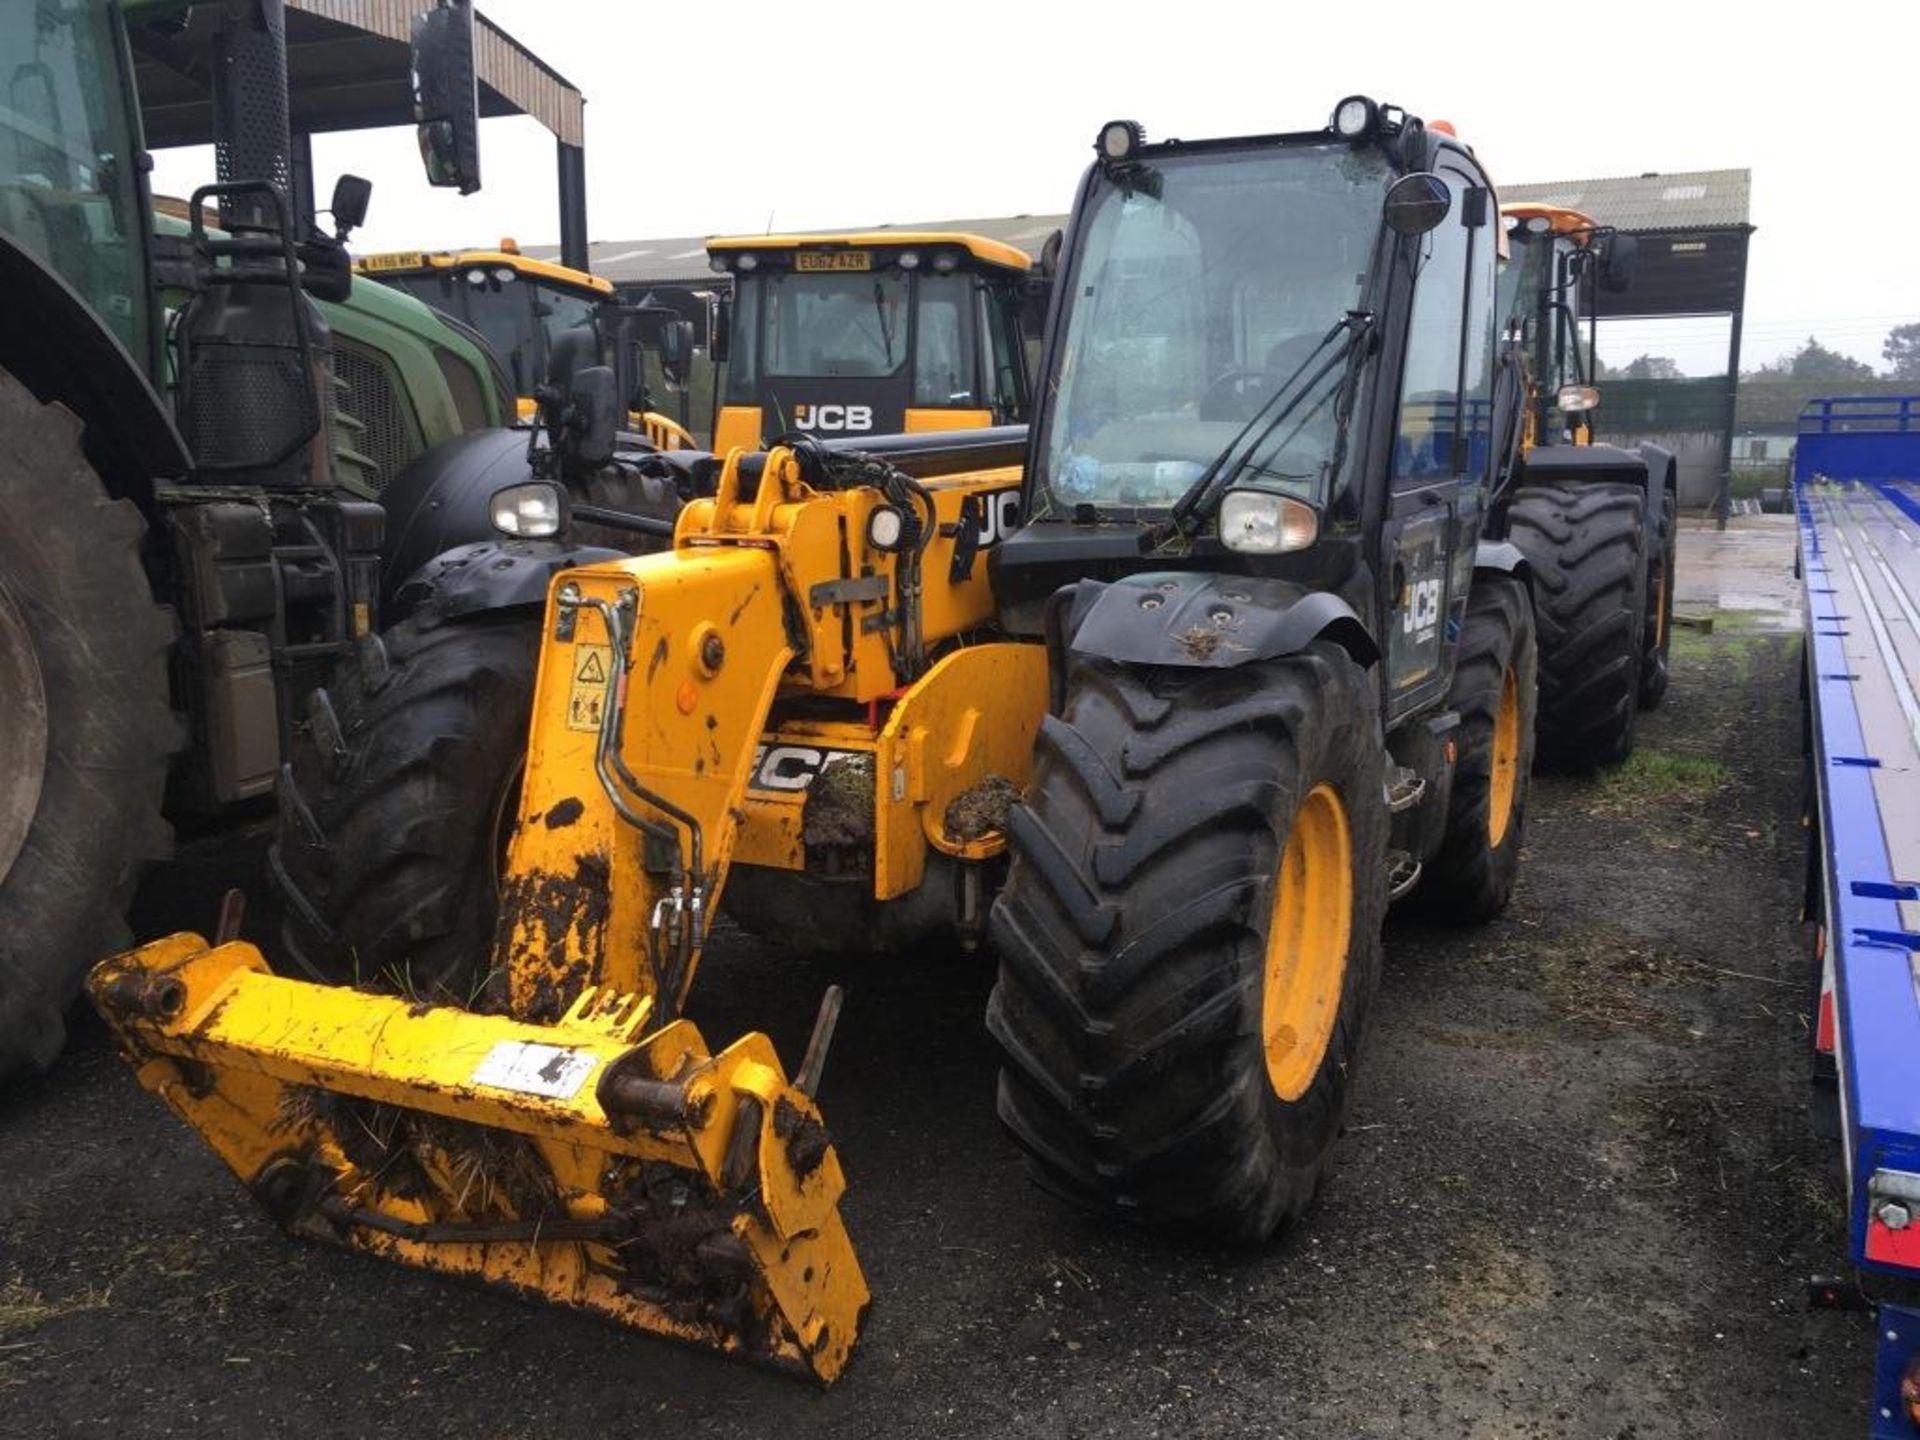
601	1162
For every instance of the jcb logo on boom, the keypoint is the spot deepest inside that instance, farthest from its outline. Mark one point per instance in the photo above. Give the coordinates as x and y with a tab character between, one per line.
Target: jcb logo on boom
794	767
999	515
1423	607
833	417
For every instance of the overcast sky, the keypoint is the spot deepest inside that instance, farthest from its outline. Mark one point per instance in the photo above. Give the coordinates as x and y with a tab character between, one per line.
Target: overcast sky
707	118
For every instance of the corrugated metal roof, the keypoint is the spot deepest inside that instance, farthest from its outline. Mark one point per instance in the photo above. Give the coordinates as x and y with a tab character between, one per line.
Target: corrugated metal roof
1684	200
1689	200
521	80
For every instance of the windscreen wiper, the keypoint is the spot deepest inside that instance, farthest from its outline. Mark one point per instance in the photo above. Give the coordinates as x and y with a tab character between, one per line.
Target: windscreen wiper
1193	507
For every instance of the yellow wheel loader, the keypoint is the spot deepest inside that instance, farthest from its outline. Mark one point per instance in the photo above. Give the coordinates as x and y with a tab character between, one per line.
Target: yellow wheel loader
1172	714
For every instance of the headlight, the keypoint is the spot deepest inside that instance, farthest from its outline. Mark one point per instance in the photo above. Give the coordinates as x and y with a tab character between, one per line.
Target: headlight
534	510
1576	398
945	262
1355	117
885	526
747	260
908	260
1257	523
1119	139
718	264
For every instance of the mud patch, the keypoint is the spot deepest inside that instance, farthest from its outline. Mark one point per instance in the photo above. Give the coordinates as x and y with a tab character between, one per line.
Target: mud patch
473	1172
806	1138
552	927
981	809
838	813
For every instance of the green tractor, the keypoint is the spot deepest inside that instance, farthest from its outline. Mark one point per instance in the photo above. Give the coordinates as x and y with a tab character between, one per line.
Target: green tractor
222	453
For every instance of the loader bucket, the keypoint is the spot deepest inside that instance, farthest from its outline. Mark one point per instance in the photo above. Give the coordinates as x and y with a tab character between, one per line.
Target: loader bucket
602	1161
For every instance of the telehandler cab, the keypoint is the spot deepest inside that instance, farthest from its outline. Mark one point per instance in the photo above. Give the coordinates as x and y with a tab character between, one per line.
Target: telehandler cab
1235	662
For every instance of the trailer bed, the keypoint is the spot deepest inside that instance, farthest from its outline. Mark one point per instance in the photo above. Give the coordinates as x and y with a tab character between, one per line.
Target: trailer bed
1857	497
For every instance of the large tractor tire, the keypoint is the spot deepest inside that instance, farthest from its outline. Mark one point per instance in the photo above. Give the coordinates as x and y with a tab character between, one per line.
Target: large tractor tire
1586	543
1189	938
1495	695
85	727
395	812
1660	580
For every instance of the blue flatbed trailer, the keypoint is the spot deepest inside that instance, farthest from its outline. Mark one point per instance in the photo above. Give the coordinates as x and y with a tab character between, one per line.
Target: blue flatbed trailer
1856	486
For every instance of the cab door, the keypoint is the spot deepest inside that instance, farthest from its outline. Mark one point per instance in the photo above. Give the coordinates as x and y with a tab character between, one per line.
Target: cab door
1442	455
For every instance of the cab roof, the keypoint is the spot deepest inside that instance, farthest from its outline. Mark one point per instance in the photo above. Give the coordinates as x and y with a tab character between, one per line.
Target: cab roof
1563	220
987	252
414	262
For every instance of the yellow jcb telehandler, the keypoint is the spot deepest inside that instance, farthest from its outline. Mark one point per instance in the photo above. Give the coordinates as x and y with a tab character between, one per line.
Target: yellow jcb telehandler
1173	714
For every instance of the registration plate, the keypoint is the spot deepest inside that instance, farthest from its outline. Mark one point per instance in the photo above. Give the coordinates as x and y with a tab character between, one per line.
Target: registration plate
833	260
394	260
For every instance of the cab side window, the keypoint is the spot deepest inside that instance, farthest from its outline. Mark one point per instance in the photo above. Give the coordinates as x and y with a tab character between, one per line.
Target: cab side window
1446	385
943	342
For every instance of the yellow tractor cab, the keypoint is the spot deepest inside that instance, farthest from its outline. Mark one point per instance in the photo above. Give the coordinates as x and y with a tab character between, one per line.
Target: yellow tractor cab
526	309
874	333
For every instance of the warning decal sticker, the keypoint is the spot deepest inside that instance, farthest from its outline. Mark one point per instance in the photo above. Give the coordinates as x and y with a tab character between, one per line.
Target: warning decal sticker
528	1069
587	697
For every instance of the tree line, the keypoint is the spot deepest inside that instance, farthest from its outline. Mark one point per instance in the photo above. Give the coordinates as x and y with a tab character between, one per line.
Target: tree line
1812	363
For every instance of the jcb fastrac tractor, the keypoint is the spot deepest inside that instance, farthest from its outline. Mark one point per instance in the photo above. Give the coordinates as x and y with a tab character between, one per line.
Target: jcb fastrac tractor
1597	523
869	333
1251	666
216	450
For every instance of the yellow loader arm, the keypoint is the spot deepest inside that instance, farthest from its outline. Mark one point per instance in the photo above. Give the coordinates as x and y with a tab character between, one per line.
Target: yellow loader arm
584	1144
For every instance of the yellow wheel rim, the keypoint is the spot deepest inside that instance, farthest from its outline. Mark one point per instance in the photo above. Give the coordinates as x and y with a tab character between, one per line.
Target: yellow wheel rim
1506	761
1307	936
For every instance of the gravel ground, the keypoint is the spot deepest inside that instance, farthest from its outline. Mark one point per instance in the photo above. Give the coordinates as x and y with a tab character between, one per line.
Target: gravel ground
1579	1194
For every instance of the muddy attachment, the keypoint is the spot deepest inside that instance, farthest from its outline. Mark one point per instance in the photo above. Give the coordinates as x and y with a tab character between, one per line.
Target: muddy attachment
603	1161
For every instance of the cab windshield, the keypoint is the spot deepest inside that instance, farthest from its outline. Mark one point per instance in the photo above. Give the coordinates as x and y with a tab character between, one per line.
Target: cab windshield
522	319
1193	306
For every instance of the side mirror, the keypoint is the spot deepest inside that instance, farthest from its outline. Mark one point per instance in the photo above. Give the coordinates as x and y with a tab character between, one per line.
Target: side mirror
446	95
1416	204
676	349
719	329
1619	264
1050	254
351	195
594	413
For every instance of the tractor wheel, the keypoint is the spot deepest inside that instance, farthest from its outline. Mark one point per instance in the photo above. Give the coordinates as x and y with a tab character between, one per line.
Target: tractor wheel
1660	579
396	809
1494	693
1189	938
85	728
1586	543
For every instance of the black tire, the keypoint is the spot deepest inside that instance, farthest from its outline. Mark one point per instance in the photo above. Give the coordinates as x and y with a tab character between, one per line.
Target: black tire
1131	937
1471	876
1586	542
1658	638
398	802
85	727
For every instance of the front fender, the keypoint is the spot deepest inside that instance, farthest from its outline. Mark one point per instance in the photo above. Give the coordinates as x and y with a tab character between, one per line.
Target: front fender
1502	557
1206	621
493	576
